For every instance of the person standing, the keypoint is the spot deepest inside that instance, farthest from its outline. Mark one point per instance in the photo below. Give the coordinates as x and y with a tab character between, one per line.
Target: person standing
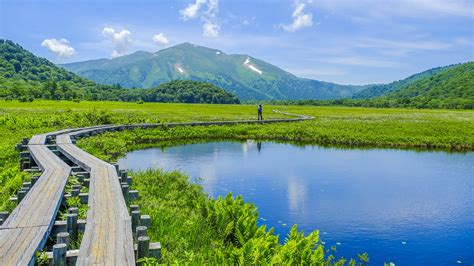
260	112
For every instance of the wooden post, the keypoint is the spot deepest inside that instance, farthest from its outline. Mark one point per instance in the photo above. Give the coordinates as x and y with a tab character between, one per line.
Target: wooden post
72	225
24	165
80	178
27	185
123	175
73	210
34	179
145	220
129	180
21	195
125	191
133	208
4	215
75	192
62	237
143	248
59	254
1	221
76	187
26	189
19	147
135	220
117	168
87	182
141	231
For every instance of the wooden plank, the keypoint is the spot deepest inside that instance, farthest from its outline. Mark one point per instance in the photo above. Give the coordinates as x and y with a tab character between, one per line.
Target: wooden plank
26	230
30	222
107	237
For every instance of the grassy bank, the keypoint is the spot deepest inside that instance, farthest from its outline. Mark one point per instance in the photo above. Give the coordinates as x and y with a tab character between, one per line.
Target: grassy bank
195	229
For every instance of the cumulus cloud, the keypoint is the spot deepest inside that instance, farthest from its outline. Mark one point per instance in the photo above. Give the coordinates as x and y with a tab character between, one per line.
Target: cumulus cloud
60	48
210	26
301	18
160	39
192	9
210	29
121	40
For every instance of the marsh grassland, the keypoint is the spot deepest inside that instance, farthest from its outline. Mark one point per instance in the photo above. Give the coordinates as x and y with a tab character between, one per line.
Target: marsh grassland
191	226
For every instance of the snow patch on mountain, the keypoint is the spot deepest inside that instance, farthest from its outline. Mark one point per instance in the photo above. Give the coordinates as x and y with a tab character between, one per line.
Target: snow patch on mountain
251	66
179	69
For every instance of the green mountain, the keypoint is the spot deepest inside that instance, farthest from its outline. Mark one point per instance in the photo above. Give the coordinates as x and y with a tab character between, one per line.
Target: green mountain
243	75
373	91
448	87
25	76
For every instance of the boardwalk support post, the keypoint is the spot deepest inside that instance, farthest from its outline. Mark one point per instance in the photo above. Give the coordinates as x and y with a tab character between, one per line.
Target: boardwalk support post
73	210
117	168
145	220
72	226
21	195
34	179
62	237
141	231
143	248
59	254
135	220
133	208
125	191
123	175
75	192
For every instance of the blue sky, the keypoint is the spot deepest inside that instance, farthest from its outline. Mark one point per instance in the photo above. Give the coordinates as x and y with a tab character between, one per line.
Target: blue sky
343	41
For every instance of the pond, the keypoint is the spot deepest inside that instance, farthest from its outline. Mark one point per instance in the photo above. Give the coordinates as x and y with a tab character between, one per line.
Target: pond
403	206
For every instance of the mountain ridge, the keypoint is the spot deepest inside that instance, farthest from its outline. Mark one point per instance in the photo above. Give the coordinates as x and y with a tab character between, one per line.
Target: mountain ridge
246	76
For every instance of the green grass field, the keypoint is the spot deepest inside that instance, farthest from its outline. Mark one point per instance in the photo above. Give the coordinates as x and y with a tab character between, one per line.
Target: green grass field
444	129
355	127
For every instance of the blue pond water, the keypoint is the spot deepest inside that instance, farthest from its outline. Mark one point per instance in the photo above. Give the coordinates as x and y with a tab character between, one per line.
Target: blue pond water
407	207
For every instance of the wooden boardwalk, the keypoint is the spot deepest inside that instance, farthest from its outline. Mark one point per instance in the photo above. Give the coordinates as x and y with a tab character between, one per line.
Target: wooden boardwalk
108	238
108	235
26	230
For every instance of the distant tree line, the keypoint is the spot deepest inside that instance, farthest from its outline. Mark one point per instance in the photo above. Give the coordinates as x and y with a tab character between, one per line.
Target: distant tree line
421	103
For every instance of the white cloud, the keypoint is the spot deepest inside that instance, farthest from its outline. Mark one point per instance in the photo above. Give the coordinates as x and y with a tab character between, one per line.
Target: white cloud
160	39
210	26
210	29
120	39
301	19
60	48
192	10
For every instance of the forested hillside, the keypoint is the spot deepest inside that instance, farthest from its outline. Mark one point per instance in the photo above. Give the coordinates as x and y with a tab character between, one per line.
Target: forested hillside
188	91
26	77
373	91
450	87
